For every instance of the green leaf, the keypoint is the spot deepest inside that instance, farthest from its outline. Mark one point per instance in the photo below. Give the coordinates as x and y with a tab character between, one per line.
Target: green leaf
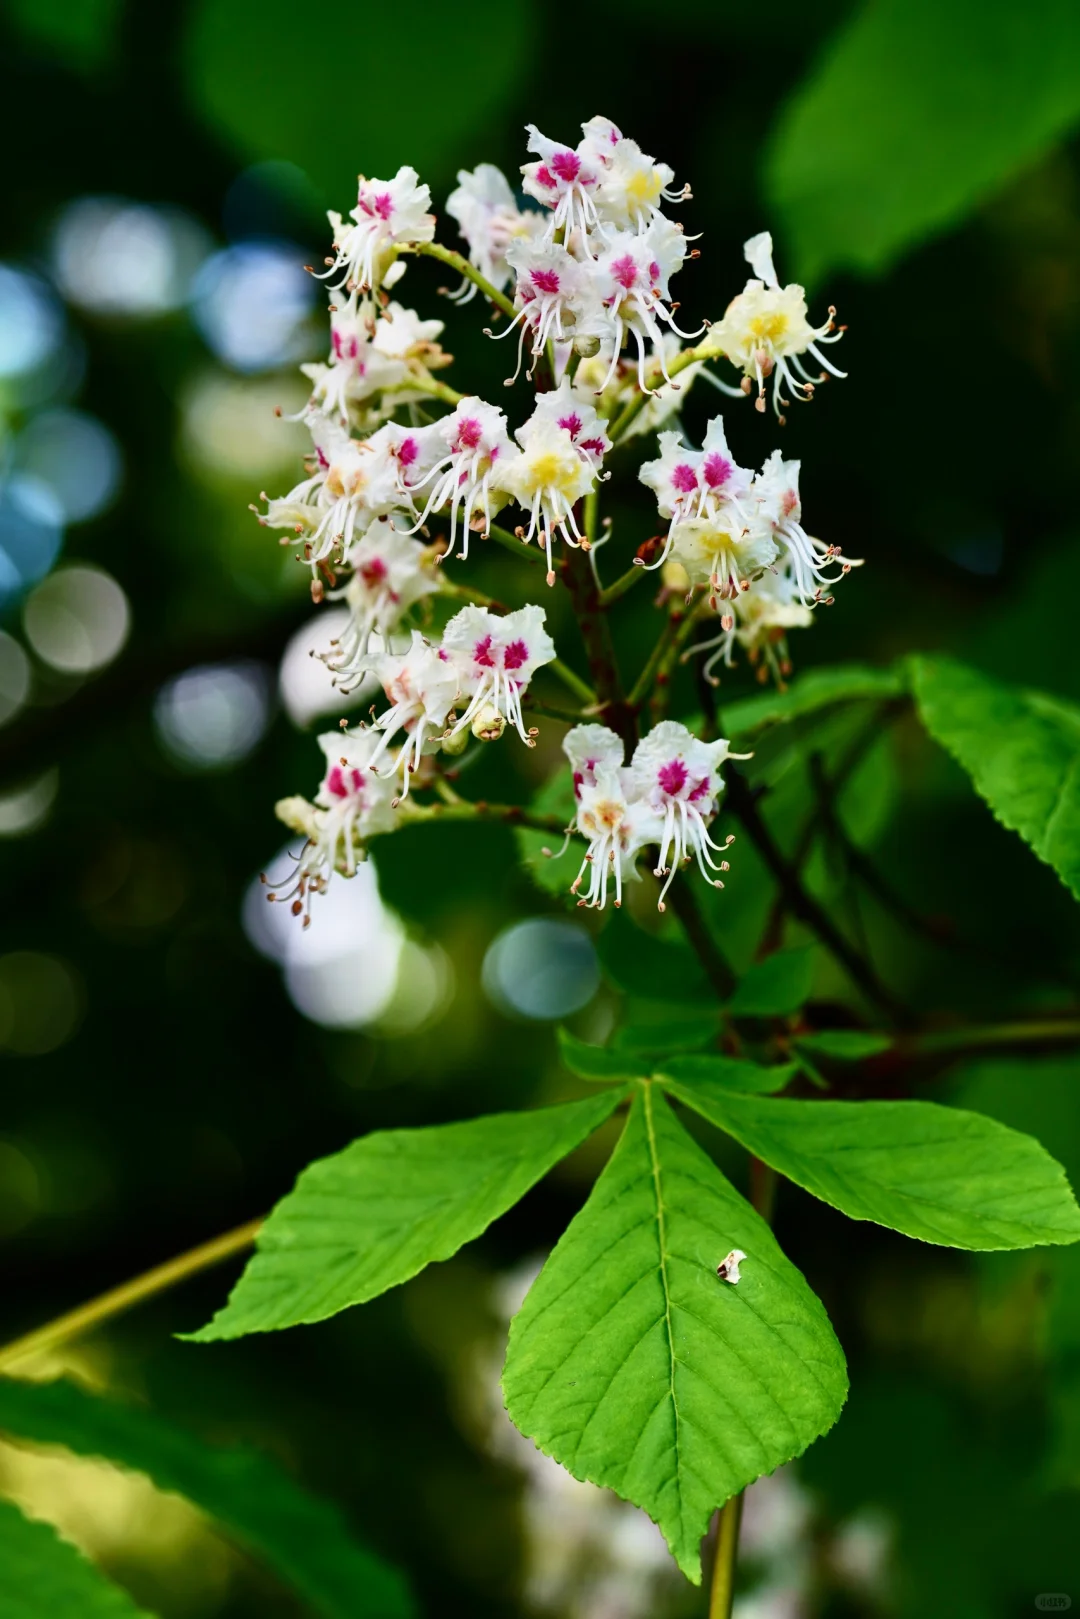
636	1367
649	968
844	1045
556	870
44	1577
937	1173
1020	748
915	113
603	1063
375	1214
689	1031
817	689
726	1074
248	60
778	985
303	1538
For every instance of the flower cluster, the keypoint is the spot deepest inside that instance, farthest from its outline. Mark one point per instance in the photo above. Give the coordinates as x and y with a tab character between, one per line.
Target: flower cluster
738	537
579	262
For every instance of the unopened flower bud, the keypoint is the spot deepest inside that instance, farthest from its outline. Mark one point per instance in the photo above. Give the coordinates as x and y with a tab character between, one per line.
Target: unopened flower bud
455	742
587	347
489	724
297	814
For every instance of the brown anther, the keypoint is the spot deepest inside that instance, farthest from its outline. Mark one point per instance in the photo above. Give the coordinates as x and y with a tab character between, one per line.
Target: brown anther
318	591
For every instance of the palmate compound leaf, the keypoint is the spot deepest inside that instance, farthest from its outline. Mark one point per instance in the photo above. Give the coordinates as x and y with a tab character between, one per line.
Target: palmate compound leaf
44	1577
957	1179
375	1214
1020	748
300	1536
637	1368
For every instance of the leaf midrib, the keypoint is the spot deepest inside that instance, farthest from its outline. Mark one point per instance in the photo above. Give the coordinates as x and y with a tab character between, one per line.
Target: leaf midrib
654	1161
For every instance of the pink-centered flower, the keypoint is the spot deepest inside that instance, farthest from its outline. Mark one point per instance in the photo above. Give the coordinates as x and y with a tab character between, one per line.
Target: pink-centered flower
555	296
564	179
634	272
388	214
615	824
678	777
369	355
391	572
421	686
351	805
495	659
697	483
474	442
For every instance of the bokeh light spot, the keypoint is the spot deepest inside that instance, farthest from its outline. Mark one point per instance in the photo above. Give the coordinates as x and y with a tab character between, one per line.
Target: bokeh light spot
215	714
120	258
31	532
542	969
24	809
251	302
78	619
14	677
76	457
40	1003
31	323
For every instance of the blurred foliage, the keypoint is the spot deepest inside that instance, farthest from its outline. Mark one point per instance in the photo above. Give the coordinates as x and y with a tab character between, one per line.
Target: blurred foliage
983	89
160	1085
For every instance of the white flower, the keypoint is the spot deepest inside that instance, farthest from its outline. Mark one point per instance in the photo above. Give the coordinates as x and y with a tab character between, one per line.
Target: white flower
590	749
388	213
489	219
615	827
368	356
352	804
474	443
632	184
779	504
634	271
391	572
495	659
567	410
549	474
564	180
421	685
555	293
678	777
352	482
722	553
697	483
765	329
758	621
